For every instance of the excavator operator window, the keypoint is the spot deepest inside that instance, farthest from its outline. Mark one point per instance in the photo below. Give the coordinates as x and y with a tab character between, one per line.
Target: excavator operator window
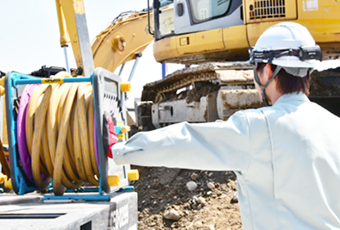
205	10
165	2
164	18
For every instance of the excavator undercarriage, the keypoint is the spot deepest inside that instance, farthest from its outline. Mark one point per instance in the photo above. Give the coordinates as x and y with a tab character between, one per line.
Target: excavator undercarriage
199	94
215	91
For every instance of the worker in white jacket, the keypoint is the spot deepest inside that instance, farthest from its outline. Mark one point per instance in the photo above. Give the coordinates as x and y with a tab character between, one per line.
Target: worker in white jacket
286	156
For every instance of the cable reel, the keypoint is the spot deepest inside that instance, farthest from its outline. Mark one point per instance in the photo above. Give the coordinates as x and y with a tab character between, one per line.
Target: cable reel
56	137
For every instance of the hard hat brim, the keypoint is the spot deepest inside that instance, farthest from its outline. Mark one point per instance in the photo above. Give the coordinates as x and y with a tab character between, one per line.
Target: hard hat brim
294	62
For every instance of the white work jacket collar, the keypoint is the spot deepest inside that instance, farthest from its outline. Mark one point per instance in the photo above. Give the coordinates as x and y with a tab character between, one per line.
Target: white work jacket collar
300	96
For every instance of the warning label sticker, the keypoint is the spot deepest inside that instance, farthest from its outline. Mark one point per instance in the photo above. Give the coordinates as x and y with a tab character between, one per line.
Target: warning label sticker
311	5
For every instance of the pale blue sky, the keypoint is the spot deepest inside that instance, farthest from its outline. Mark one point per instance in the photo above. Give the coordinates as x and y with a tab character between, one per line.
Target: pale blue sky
30	36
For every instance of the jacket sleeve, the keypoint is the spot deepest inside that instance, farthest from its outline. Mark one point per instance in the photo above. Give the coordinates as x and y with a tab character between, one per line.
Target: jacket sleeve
221	145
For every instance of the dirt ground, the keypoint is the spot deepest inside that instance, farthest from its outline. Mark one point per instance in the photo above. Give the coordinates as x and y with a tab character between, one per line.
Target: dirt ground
165	201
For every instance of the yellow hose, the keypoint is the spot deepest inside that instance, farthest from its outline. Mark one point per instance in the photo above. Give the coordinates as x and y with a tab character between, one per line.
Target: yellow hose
59	135
40	114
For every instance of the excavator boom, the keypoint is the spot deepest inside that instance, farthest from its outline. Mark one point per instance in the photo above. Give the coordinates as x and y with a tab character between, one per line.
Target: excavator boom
73	28
119	43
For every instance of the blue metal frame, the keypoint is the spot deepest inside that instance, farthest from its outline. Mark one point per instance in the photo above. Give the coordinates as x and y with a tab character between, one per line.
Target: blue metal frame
20	185
84	197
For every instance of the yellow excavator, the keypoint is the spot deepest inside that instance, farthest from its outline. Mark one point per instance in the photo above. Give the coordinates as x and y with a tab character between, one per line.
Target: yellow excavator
212	38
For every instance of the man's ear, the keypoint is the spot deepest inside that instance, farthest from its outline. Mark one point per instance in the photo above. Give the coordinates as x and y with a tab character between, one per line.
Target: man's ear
268	72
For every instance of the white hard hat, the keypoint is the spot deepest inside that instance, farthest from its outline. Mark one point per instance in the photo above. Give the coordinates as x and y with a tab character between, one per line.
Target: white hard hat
286	44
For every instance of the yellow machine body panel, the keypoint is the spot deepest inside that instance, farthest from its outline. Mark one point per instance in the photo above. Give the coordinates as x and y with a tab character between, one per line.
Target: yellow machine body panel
201	42
216	44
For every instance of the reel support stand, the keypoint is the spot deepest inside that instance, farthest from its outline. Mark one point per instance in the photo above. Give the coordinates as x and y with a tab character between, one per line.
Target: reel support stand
108	98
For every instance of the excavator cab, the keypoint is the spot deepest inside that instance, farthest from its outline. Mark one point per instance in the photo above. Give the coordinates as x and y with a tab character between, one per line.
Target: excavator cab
197	31
196	15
